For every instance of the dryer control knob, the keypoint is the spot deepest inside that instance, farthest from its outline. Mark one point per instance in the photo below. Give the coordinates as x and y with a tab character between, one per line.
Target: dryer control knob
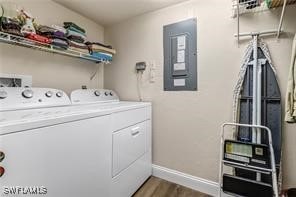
27	93
106	93
59	94
111	93
3	94
2	171
2	156
97	93
49	94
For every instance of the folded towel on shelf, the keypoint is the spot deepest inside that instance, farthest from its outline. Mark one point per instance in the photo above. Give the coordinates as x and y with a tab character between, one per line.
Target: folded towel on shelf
59	34
83	47
76	30
102	56
74	33
60	43
98	47
85	51
50	32
38	38
59	28
73	25
99	44
45	29
78	45
103	49
77	39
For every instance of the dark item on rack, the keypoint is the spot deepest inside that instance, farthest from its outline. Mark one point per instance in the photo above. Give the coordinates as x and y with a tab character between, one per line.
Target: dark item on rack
39	38
289	192
251	3
99	44
245	187
71	24
76	39
11	26
50	32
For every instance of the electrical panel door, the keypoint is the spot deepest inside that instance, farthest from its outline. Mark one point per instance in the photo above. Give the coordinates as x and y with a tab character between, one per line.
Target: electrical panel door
180	56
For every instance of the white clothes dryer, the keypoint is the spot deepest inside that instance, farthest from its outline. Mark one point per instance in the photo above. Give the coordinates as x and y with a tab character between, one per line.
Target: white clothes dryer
130	125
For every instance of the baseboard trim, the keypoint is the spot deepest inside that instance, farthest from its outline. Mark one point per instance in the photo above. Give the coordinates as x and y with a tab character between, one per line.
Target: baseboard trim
196	183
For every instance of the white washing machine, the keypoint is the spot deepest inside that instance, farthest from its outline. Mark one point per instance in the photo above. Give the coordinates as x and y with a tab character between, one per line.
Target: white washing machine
50	148
131	138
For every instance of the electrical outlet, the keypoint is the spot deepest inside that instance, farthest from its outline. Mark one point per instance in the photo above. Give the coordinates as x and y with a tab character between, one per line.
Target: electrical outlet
141	66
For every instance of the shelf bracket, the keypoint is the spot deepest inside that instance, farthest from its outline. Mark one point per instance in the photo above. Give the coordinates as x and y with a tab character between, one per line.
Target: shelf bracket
281	19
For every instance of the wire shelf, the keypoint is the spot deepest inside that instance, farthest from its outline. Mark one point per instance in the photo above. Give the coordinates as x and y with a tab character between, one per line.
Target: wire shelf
255	6
248	6
24	42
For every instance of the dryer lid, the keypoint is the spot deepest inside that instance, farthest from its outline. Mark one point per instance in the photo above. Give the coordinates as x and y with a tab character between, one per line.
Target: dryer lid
89	96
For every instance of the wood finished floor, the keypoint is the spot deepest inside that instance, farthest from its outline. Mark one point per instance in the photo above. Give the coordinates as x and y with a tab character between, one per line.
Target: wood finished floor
156	187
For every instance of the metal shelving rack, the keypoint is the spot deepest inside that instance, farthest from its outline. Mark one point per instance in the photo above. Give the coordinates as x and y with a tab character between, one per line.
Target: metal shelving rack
24	42
241	7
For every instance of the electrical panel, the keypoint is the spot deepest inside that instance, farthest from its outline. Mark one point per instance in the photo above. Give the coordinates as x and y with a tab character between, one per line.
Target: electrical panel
180	56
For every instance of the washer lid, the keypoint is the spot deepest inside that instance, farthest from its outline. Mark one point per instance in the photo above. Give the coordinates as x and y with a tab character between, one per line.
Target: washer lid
21	120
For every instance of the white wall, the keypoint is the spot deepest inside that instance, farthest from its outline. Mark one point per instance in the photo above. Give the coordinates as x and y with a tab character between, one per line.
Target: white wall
52	70
186	125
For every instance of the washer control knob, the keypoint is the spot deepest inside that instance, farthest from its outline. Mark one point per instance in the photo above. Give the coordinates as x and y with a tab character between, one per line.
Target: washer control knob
111	93
2	156
49	94
106	93
27	93
3	94
97	93
2	171
59	94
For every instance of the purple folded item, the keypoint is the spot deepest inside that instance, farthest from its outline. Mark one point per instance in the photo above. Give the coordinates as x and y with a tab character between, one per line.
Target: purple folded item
60	43
50	32
59	34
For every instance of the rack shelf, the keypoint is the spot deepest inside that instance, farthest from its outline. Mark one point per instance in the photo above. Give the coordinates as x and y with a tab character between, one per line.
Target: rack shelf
241	7
24	42
256	6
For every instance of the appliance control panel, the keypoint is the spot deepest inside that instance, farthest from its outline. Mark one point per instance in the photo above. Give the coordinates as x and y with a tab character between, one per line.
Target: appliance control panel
24	98
85	96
